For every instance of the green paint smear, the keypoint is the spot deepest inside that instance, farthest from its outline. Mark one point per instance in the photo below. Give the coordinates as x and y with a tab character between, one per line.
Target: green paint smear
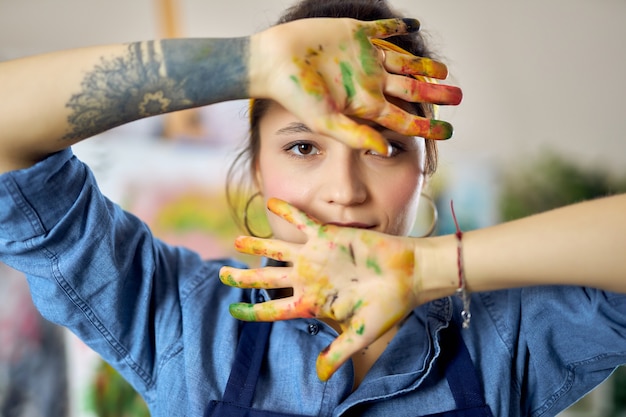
372	264
242	311
443	130
322	232
229	280
360	330
368	60
347	77
319	96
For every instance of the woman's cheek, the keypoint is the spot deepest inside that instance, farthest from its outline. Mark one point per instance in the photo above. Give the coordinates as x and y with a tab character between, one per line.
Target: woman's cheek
292	192
402	202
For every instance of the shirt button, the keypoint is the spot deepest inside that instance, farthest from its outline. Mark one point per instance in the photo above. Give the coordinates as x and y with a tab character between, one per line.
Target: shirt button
313	329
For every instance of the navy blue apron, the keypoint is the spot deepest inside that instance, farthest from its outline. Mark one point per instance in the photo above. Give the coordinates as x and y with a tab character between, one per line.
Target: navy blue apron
237	402
456	363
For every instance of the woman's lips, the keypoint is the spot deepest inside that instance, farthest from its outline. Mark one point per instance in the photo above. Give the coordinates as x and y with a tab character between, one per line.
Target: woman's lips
355	225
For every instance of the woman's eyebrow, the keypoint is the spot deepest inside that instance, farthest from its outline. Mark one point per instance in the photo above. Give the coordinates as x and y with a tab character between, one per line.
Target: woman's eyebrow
294	127
299	127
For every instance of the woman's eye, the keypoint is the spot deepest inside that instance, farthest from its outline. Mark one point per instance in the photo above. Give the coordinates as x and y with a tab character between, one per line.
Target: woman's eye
395	150
302	149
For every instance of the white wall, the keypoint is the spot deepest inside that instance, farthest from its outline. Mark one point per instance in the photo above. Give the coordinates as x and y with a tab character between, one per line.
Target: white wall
535	73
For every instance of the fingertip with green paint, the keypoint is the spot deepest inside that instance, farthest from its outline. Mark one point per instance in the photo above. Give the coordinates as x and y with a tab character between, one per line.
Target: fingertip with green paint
227	277
243	311
439	130
229	280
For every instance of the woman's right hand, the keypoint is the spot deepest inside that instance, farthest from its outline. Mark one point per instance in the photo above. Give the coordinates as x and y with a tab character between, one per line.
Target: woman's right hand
365	281
327	72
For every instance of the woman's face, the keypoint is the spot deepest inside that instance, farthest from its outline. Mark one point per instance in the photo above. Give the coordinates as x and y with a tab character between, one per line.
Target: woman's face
335	183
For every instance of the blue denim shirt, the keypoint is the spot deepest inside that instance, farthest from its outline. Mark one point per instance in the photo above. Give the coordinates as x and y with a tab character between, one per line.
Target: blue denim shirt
159	314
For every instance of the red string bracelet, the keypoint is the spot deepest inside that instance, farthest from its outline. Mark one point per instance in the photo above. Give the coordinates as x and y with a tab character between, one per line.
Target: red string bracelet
461	291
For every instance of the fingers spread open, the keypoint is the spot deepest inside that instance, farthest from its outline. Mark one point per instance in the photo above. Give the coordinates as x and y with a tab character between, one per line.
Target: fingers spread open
389	27
395	118
270	277
281	309
401	63
412	90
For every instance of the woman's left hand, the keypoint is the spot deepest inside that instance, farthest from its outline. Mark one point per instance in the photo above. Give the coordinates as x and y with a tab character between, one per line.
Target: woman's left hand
364	280
328	73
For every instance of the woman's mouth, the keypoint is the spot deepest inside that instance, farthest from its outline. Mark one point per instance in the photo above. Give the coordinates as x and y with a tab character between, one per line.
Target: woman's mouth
355	225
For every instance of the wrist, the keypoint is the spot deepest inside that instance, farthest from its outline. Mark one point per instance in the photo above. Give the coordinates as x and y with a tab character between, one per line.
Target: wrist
259	64
436	273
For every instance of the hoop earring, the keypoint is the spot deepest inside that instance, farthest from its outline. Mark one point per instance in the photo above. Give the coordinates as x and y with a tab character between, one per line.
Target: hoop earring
433	206
245	217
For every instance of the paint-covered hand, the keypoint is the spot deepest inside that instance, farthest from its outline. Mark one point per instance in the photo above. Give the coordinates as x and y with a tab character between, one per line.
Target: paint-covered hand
364	280
328	72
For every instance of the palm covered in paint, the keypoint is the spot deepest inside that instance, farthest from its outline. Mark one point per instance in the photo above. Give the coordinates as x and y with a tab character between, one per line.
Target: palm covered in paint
362	279
333	72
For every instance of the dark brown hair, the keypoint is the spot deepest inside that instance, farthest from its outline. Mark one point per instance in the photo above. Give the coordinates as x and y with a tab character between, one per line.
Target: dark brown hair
238	186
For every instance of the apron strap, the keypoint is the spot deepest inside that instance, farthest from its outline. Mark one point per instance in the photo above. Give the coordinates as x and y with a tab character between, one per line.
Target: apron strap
455	359
247	367
459	370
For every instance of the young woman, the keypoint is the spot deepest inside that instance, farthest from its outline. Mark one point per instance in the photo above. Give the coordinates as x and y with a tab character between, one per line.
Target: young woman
160	314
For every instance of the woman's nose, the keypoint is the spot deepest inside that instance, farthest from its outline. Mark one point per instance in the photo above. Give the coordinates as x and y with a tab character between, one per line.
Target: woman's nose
345	182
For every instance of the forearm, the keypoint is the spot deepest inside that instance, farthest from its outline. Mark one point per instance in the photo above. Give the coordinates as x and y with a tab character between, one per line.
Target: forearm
54	100
581	244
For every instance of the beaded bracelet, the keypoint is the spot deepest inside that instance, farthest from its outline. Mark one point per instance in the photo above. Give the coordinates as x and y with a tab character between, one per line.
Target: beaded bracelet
461	290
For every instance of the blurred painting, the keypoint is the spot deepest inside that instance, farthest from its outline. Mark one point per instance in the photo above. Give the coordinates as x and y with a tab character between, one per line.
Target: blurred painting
33	367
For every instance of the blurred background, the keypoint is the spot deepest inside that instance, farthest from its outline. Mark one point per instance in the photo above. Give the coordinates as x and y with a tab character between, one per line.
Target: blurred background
541	125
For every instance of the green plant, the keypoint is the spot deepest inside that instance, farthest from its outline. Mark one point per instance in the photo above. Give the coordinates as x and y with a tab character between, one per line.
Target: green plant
552	181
